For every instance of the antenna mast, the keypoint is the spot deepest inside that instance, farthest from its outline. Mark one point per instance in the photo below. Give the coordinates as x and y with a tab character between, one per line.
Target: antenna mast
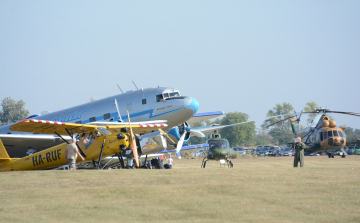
120	89
135	86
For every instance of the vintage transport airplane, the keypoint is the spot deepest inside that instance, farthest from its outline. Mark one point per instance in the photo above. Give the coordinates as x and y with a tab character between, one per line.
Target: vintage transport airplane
145	106
94	143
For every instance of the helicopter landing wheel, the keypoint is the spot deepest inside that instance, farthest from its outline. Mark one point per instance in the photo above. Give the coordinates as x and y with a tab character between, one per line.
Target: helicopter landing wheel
204	163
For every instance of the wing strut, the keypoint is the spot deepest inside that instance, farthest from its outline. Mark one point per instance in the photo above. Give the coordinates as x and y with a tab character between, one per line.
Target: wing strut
101	152
61	137
82	153
121	160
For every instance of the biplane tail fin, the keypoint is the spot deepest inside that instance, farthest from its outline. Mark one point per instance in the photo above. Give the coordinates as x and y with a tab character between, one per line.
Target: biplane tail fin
4	156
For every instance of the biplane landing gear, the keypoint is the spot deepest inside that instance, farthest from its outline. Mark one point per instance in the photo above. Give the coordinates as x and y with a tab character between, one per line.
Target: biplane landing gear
204	162
230	164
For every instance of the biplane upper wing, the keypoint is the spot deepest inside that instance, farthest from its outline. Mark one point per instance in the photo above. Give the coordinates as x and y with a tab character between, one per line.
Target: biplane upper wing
63	128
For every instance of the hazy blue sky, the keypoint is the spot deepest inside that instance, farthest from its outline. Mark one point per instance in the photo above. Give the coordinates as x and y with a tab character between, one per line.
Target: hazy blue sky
244	56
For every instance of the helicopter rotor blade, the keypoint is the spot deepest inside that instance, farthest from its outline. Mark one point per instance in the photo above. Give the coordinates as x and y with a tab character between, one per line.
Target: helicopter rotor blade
280	121
345	113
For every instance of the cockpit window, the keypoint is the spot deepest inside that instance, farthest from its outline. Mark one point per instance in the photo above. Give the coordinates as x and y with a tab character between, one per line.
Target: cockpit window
171	95
340	134
325	135
329	134
159	97
335	133
103	131
321	136
174	94
218	144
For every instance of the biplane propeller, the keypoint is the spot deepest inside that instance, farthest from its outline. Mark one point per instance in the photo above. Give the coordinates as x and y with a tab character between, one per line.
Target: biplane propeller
323	135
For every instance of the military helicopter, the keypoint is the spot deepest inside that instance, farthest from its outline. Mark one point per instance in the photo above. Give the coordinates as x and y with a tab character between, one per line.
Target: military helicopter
218	149
323	136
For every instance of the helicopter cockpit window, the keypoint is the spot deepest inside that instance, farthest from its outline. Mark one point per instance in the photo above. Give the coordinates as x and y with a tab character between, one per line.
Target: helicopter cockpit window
325	135
340	134
321	136
218	145
330	134
335	133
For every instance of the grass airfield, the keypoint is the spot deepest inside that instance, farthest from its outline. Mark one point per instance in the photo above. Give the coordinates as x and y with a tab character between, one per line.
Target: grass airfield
264	189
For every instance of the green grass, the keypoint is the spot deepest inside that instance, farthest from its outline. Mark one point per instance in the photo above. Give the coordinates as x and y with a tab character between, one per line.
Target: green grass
265	189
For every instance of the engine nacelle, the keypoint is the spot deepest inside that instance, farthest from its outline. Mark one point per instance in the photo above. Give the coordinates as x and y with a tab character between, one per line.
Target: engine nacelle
152	143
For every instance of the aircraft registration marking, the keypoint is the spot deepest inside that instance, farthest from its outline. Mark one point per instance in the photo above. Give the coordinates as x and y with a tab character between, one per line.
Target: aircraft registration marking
49	156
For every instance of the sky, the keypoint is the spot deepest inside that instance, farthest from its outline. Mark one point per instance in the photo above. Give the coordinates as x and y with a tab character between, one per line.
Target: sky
244	56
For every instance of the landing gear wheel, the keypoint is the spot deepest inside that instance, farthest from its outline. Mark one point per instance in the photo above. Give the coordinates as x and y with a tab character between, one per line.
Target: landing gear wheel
157	164
343	156
329	155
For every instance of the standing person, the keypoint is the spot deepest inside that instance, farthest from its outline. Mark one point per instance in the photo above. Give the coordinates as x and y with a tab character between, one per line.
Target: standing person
299	152
71	153
170	161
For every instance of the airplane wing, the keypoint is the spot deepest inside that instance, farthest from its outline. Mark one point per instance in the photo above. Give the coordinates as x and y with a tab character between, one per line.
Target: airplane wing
204	116
125	124
62	128
199	146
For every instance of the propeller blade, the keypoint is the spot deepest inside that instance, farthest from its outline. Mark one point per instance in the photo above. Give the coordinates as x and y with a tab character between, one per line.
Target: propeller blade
133	143
197	133
167	136
117	108
180	144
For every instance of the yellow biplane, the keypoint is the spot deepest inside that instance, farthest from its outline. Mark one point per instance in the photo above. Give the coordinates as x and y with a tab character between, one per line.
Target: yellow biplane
94	143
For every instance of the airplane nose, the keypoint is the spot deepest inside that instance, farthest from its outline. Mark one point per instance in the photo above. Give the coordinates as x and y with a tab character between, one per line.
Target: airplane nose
194	104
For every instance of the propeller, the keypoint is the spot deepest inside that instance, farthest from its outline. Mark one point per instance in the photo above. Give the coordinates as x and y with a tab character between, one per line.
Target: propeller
133	143
166	135
117	108
180	144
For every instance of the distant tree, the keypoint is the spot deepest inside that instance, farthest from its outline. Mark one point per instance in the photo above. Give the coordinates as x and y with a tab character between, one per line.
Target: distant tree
262	138
311	106
352	135
237	134
12	111
280	131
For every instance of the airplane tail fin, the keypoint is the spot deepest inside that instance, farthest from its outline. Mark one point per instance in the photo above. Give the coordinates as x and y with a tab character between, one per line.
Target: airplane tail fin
4	156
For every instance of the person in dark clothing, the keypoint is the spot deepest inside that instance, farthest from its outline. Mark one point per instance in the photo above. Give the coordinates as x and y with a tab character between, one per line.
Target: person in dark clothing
299	152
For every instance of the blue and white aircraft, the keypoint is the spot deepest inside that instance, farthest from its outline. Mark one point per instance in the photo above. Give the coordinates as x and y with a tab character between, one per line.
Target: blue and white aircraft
145	106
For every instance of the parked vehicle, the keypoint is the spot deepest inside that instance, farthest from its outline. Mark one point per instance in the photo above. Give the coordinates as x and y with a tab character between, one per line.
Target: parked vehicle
240	151
273	150
286	152
261	152
198	153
